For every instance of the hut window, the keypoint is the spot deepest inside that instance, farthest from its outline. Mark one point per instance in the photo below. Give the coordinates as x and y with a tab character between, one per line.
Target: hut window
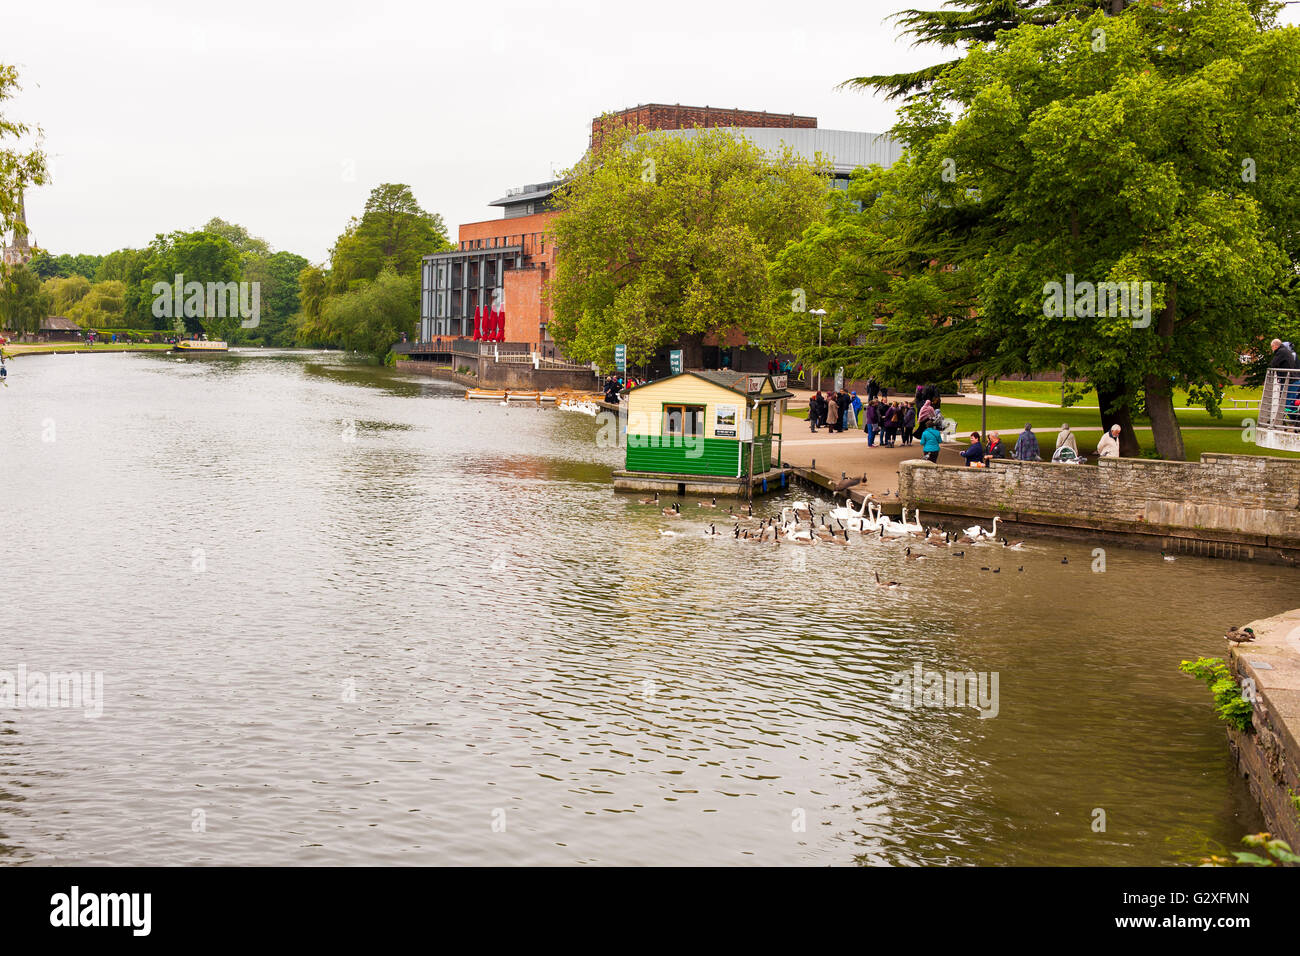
683	420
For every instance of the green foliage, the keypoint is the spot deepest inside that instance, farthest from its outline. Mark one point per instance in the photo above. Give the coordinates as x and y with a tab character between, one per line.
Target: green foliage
18	169
1228	702
277	276
670	238
394	233
64	293
1043	156
23	303
1274	851
372	316
102	307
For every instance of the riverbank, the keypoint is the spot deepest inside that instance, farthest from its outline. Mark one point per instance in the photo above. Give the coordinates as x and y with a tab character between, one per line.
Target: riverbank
1269	756
71	348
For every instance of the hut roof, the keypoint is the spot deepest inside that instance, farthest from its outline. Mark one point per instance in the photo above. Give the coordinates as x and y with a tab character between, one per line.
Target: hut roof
58	323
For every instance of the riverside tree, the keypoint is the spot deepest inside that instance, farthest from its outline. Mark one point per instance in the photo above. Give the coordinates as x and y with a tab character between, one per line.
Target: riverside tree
667	239
1146	148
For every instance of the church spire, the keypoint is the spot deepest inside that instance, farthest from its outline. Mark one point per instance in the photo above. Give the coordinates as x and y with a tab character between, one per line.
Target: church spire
18	252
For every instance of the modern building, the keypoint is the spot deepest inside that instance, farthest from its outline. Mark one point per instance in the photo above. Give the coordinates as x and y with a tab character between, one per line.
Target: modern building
18	252
500	267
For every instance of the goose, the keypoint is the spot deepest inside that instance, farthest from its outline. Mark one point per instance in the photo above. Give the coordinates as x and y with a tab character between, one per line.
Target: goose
889	585
1168	557
913	557
651	501
1013	545
711	504
712	532
674	512
888	537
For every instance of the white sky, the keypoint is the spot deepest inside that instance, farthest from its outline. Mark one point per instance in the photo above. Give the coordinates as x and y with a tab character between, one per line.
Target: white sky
281	117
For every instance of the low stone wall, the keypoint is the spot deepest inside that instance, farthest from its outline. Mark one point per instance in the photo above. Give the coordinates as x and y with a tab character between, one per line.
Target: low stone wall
1269	757
517	376
1248	502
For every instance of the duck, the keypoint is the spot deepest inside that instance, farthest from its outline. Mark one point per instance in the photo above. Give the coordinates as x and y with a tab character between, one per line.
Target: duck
1240	635
888	585
1021	568
1065	560
651	501
668	534
959	554
1168	557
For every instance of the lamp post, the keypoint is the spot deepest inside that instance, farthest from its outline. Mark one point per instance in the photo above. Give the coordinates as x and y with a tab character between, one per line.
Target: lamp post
820	313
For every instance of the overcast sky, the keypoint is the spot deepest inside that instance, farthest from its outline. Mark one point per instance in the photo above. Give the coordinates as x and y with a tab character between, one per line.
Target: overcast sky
159	115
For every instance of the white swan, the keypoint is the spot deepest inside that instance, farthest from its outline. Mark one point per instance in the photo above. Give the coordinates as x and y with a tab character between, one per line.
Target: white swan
976	532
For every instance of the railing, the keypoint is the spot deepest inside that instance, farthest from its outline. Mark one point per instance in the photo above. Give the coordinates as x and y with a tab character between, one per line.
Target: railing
1278	424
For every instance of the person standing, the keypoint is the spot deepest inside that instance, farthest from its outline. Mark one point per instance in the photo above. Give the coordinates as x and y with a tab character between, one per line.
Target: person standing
996	448
1284	359
1108	447
1027	445
832	412
975	451
931	439
813	401
909	422
872	422
857	408
873	390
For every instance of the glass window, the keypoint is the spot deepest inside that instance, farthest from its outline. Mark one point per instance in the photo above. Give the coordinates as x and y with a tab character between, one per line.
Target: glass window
683	420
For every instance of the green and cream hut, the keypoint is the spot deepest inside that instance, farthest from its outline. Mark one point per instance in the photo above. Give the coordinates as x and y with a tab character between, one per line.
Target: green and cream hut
695	431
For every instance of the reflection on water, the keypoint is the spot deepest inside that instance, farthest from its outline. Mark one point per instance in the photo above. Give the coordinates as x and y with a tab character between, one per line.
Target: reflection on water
345	616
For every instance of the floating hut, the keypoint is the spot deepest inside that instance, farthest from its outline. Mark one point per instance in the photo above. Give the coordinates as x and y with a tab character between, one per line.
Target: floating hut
708	433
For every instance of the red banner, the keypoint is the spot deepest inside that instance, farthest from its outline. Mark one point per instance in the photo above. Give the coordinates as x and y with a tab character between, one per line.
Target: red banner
478	319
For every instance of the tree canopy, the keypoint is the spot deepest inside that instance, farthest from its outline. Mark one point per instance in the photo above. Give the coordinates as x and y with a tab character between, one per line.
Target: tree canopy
669	238
1146	148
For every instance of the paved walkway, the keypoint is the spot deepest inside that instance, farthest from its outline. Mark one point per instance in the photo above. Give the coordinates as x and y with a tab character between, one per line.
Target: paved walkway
847	453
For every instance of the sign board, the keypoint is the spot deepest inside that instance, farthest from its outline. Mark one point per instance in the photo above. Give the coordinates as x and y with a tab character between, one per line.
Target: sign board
839	378
620	357
675	362
755	383
724	420
779	381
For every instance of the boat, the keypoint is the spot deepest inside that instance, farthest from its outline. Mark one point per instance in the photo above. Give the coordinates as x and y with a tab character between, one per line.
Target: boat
199	345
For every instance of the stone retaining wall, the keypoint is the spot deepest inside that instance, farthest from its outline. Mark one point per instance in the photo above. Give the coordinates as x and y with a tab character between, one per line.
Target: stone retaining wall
1269	756
1245	500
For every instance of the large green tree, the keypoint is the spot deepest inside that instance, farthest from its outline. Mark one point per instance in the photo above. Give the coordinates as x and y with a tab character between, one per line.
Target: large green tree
23	304
667	239
394	233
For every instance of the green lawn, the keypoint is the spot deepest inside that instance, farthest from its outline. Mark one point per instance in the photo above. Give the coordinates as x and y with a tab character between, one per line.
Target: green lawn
1051	392
1225	438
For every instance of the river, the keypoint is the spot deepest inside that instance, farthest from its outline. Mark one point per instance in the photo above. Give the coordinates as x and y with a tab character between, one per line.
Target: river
344	616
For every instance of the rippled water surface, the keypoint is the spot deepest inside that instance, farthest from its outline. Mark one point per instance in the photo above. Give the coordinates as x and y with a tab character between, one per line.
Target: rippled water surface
344	616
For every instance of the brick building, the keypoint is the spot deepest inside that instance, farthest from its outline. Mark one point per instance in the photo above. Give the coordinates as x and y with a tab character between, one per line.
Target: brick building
660	116
501	265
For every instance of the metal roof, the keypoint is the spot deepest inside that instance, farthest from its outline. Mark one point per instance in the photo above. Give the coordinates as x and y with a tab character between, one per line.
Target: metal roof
844	150
529	193
730	380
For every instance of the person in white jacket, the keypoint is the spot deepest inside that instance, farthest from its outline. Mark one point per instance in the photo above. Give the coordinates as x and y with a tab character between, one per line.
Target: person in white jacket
1108	447
1066	437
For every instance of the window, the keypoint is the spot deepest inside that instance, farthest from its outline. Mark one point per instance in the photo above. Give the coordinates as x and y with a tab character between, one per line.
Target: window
684	420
